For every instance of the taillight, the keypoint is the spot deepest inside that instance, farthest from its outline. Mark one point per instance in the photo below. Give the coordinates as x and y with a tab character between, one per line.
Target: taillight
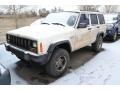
41	47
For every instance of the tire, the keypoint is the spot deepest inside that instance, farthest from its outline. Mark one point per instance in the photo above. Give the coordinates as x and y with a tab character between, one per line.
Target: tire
97	45
114	38
58	62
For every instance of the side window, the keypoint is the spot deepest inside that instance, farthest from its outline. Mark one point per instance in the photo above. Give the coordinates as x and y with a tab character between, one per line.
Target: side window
101	18
94	19
84	18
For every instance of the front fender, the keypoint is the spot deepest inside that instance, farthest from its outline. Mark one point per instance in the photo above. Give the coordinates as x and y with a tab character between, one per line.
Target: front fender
53	46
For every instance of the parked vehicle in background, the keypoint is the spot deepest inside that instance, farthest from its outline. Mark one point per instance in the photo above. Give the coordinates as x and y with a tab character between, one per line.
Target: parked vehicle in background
51	42
118	23
5	78
112	23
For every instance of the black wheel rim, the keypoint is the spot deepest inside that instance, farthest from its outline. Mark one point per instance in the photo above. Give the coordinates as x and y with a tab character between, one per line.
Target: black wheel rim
61	63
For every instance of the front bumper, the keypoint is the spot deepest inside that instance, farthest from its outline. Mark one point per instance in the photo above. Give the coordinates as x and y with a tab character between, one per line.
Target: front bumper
26	55
5	78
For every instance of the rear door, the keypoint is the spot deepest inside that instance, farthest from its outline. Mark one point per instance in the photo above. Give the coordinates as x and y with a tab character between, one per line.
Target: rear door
102	26
94	27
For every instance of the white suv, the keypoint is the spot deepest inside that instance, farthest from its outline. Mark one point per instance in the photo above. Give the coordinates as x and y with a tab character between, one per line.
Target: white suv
51	42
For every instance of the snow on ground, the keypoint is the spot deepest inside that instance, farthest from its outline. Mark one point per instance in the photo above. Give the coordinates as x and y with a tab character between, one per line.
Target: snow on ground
104	68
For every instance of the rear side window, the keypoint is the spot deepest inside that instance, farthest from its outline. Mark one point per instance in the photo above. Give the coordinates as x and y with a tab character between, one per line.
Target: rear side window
101	19
94	19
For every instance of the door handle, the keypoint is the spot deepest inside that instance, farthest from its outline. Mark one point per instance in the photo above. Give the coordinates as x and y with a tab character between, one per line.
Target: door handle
89	28
98	27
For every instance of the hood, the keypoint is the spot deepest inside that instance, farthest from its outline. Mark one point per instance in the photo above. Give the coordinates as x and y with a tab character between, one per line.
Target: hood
40	31
110	26
111	21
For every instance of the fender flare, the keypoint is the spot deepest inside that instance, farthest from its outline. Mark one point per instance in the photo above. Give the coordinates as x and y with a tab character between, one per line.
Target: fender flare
101	33
53	46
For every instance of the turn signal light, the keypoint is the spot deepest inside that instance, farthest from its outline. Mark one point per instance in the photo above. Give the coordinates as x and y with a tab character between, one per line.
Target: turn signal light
41	47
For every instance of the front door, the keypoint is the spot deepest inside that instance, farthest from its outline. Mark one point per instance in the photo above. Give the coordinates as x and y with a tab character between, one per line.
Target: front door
83	33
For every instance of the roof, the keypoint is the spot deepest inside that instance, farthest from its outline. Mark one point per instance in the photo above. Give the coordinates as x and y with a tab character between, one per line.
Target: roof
77	11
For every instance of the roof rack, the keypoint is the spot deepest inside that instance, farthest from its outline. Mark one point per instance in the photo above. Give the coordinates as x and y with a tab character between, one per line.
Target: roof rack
78	11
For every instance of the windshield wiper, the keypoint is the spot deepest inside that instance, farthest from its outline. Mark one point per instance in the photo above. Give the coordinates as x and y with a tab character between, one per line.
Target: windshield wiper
45	23
58	24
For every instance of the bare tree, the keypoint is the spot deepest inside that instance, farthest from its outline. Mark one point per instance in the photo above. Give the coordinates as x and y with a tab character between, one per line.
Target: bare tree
57	9
60	9
15	10
88	7
110	8
43	12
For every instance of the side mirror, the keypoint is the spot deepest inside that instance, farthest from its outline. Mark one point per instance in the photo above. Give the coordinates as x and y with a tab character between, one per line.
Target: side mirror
82	25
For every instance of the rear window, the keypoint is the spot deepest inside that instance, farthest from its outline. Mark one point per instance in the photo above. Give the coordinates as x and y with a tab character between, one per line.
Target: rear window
94	19
101	19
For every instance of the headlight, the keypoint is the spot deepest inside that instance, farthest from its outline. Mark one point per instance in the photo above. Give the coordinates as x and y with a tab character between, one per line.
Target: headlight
109	31
33	48
34	44
7	37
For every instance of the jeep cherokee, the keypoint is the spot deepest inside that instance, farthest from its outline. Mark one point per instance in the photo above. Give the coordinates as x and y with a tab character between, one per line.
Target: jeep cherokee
59	34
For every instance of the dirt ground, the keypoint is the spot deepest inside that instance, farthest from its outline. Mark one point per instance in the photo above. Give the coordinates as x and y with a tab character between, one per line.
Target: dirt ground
7	24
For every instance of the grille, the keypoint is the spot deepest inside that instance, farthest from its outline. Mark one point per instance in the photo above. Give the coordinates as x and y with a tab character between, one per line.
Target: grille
20	42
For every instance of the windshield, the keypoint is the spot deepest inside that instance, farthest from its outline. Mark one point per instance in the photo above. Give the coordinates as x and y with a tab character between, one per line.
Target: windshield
62	18
110	18
37	22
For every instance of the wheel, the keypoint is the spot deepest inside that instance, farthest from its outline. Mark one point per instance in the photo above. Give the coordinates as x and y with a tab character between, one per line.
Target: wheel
58	62
97	45
24	61
114	38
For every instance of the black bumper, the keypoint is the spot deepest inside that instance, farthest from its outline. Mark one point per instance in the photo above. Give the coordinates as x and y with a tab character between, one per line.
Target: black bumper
42	59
